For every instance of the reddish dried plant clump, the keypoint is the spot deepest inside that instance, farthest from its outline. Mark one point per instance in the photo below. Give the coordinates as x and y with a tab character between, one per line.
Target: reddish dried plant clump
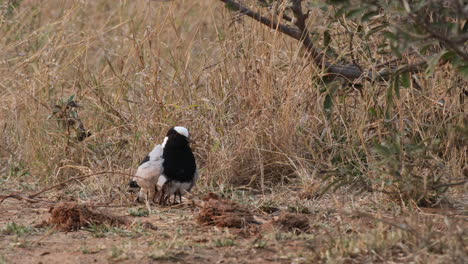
223	213
73	216
292	222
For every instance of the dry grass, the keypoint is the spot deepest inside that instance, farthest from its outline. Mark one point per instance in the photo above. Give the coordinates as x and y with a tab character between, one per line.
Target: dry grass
254	106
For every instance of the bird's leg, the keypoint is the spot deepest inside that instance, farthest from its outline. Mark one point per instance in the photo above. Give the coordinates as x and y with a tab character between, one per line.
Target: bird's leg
147	202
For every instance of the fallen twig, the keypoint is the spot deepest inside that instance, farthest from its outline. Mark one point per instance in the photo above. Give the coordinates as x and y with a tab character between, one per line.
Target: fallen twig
30	198
451	184
20	197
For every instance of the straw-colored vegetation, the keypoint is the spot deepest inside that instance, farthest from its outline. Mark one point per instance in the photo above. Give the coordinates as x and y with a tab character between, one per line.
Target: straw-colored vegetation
91	86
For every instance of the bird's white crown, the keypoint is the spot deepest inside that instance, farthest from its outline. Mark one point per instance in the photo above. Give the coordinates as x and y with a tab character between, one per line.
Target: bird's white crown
182	130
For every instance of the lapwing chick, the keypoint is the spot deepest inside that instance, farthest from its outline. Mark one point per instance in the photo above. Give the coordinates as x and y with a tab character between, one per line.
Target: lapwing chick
168	170
147	175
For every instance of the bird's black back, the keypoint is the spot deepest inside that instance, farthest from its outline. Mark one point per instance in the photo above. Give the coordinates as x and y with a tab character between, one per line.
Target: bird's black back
179	162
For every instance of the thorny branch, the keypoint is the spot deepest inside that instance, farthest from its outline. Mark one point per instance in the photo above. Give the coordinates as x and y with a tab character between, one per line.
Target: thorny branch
301	33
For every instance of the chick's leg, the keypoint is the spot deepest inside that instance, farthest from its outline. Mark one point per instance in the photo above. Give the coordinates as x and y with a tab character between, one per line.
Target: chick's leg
141	196
162	195
151	194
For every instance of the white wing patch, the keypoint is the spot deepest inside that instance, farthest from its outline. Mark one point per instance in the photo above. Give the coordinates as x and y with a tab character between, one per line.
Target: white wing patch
157	152
162	180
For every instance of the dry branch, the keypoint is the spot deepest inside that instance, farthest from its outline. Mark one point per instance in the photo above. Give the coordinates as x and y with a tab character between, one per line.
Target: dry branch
301	33
32	197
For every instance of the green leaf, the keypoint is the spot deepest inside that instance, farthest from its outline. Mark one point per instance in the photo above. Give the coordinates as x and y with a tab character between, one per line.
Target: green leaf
340	11
463	70
405	79
396	50
326	38
427	47
433	62
328	103
71	98
353	13
390	35
396	86
389	97
450	56
231	7
382	150
367	16
375	30
335	2
407	6
372	112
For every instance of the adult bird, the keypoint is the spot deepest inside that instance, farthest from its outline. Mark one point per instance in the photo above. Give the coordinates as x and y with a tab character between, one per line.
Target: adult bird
169	169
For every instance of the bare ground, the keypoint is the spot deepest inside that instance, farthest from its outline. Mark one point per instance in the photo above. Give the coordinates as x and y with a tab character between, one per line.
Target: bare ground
311	231
177	239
